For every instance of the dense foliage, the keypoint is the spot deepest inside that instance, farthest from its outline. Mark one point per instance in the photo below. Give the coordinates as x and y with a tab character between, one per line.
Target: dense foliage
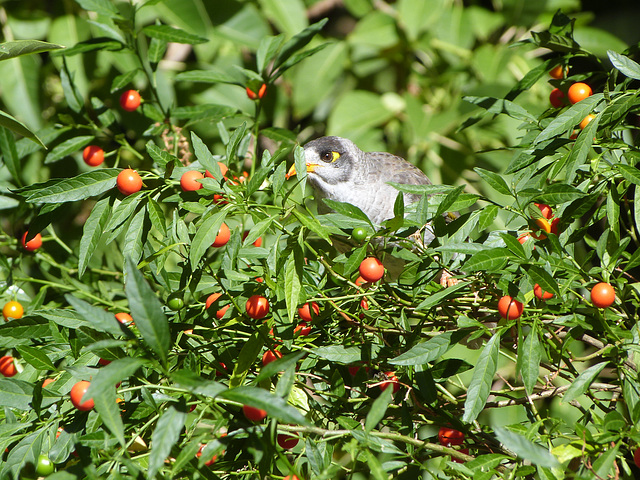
175	307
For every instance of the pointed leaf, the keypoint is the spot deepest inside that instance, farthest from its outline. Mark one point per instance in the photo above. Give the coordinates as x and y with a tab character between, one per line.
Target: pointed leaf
378	409
20	128
482	379
146	311
524	448
68	147
312	224
494	180
109	411
631	174
276	407
10	154
172	34
83	186
569	119
582	383
205	236
488	260
164	437
436	298
25	47
529	356
99	319
196	384
292	283
428	351
625	65
92	232
298	42
36	358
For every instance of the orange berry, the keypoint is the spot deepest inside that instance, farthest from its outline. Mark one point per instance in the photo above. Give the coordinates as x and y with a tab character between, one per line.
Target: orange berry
558	72
586	120
224	234
603	295
578	92
12	309
128	181
309	311
189	181
537	291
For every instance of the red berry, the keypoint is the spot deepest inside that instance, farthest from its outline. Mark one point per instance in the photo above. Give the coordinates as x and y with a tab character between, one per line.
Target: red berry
449	436
537	290
77	392
309	311
32	245
557	98
371	269
270	356
393	380
189	181
510	308
93	155
254	414
257	307
129	181
130	100
224	234
287	441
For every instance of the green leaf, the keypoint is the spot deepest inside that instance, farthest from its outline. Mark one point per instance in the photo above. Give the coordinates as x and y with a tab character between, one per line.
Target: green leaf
99	319
204	156
292	283
501	105
267	50
91	45
212	76
560	193
488	260
123	80
543	278
16	393
582	383
279	365
246	358
437	298
133	242
374	466
111	374
205	236
482	379
28	327
198	385
7	121
581	147
146	311
276	407
428	351
494	180
25	47
338	354
83	186
103	7
631	174
10	154
109	410
289	16
164	437
528	359
172	34
257	231
298	42
534	453
625	65
36	358
26	451
92	232
347	210
567	120
378	409
312	224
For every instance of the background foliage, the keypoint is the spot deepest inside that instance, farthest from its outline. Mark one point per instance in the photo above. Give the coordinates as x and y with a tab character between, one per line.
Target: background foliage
458	88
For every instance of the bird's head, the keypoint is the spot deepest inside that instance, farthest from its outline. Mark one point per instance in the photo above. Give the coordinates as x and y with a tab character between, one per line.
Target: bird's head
330	160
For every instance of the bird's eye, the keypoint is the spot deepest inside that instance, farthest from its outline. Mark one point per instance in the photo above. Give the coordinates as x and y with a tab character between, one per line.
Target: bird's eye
329	156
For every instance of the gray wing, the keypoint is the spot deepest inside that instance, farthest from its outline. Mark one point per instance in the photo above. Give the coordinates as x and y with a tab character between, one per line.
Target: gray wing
392	168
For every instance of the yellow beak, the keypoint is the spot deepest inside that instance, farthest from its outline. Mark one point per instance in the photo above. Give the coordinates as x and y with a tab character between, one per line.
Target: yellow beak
292	171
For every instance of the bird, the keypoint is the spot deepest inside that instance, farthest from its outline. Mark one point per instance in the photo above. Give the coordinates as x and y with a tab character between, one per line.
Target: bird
338	170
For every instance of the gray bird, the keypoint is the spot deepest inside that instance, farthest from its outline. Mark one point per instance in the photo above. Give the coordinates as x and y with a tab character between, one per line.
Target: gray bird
338	170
